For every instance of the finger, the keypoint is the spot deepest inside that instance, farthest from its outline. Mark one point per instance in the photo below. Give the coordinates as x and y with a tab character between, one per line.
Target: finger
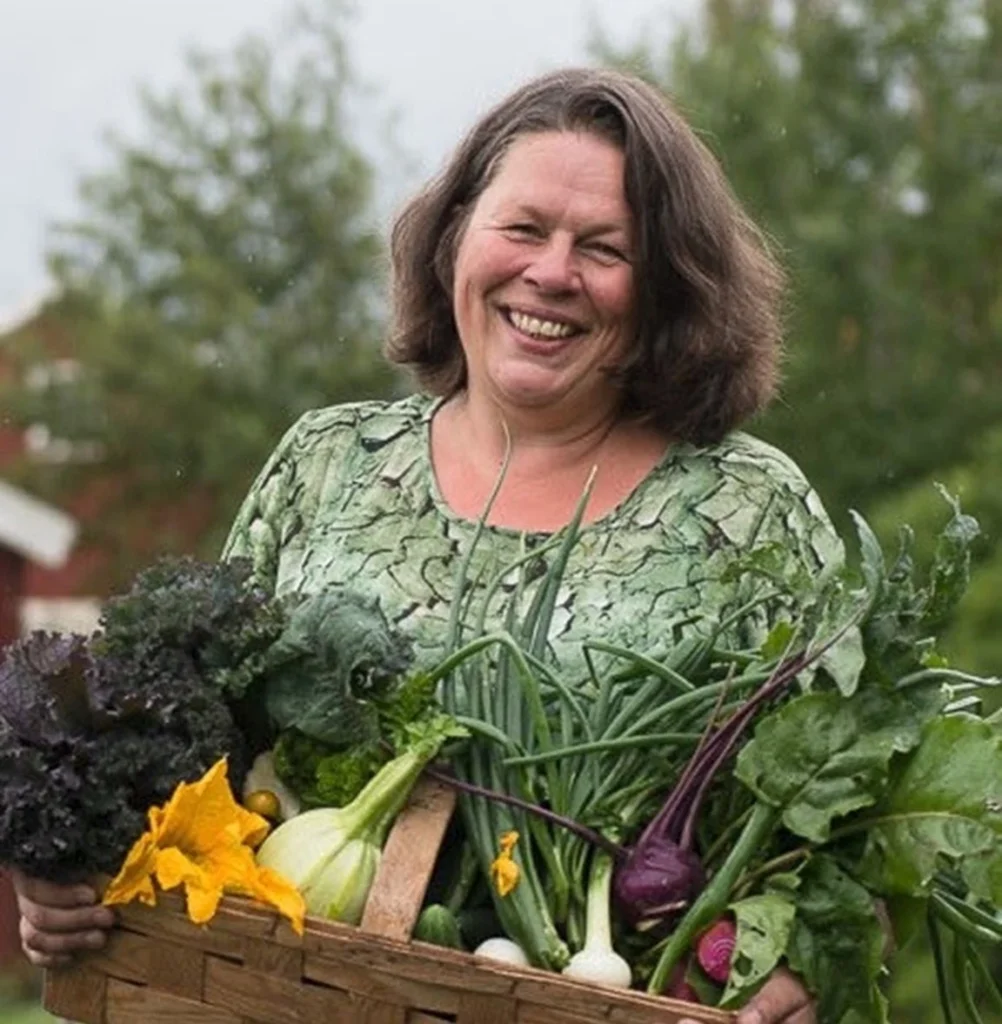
805	1015
55	919
37	943
780	998
52	895
47	961
777	1012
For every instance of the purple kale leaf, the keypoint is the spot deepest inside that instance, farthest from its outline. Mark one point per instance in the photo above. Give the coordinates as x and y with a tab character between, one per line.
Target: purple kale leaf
94	731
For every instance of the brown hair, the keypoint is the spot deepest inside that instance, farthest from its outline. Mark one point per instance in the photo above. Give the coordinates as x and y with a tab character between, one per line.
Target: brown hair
707	289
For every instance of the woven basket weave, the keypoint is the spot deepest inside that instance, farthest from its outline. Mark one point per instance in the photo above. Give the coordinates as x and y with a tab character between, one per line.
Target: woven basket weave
249	967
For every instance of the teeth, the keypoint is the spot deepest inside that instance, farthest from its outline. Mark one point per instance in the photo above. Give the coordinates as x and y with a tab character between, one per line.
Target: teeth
539	328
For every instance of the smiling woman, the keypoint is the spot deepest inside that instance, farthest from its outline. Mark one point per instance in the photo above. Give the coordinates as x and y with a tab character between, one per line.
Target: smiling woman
579	293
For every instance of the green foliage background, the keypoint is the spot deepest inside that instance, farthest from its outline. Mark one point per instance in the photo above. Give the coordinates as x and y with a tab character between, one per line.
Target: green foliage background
225	274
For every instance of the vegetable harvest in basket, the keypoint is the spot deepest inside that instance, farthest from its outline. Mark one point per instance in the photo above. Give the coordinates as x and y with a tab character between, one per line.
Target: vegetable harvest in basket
119	752
709	812
681	820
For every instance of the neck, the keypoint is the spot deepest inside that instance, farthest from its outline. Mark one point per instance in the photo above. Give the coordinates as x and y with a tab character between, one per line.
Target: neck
536	437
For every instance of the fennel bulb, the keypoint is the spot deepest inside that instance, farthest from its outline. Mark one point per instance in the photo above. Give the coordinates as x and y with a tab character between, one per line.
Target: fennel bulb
331	853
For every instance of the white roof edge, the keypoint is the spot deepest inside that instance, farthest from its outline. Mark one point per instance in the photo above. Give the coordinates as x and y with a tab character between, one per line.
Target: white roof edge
37	531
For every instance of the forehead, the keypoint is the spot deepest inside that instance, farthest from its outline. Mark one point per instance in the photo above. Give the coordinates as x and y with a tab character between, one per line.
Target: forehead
561	174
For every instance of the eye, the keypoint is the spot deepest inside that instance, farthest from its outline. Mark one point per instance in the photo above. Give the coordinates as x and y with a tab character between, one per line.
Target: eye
524	229
606	252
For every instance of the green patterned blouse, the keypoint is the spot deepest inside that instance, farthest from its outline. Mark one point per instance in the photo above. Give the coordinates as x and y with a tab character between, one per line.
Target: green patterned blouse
349	499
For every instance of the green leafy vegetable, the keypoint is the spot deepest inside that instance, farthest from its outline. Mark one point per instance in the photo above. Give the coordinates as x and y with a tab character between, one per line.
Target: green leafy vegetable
764	924
95	730
824	756
336	660
213	613
837	942
945	802
321	775
325	774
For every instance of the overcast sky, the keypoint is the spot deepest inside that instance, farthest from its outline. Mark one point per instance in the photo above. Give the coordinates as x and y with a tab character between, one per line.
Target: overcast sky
69	69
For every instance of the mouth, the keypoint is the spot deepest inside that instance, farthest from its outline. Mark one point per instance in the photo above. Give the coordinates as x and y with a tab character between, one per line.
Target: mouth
539	327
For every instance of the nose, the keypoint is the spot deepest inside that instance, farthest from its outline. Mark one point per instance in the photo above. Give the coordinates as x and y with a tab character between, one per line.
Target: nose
552	267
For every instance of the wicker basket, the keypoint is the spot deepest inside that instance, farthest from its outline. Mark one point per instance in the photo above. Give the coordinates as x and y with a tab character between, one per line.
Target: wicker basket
249	967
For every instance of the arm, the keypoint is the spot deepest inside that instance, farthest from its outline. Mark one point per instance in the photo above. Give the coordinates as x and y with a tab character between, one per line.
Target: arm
794	520
263	517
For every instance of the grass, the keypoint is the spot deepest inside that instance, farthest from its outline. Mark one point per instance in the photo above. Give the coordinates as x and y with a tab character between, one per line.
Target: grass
20	1001
25	1013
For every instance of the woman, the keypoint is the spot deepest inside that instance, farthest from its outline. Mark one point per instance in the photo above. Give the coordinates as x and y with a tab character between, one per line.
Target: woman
578	289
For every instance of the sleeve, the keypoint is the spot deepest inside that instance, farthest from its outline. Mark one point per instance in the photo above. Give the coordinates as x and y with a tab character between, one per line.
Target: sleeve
795	520
268	514
801	545
771	525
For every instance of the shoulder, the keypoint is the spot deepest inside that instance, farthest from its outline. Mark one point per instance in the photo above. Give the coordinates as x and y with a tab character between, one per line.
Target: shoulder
321	431
746	464
751	492
324	450
749	458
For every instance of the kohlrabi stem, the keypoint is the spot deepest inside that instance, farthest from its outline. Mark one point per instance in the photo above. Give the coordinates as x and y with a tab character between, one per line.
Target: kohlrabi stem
713	900
725	838
582	831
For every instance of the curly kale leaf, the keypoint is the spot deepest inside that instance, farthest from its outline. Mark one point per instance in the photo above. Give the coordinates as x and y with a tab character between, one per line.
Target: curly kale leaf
92	734
44	694
212	612
336	661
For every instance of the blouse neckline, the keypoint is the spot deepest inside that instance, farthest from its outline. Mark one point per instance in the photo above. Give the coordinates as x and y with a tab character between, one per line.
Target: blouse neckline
603	522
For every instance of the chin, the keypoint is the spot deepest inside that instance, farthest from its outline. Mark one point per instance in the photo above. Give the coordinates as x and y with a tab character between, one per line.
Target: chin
531	394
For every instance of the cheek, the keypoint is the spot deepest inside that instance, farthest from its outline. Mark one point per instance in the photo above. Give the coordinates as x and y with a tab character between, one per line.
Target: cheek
614	297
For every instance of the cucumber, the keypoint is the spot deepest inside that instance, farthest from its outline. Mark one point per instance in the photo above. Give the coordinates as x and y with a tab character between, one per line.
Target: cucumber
438	925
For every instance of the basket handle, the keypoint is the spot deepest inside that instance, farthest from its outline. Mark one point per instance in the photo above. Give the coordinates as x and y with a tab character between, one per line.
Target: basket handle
408	860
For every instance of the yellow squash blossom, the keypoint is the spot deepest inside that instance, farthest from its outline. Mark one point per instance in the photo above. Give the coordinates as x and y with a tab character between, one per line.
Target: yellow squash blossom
204	840
504	870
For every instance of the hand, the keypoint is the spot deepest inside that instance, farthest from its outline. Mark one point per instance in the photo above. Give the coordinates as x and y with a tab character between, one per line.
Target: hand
781	1000
59	920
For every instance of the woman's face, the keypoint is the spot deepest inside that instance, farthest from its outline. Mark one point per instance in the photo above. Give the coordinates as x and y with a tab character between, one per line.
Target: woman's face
543	288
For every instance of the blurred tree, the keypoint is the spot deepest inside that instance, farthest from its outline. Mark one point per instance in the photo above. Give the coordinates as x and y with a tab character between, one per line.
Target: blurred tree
866	136
224	276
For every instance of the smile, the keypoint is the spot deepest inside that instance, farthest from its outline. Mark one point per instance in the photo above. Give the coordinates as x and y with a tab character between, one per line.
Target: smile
536	327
